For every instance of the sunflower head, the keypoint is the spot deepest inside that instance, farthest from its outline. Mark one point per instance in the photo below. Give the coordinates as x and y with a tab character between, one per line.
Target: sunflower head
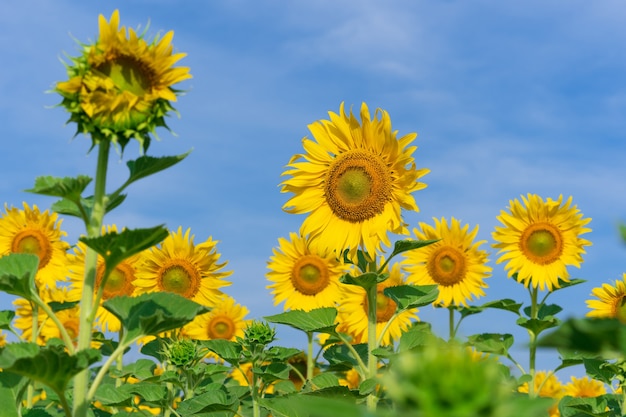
354	180
539	239
610	301
120	87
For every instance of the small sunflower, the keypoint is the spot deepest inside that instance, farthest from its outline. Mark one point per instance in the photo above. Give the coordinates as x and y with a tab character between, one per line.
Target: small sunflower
455	263
226	320
121	86
120	281
304	277
24	315
540	239
584	387
353	310
181	267
354	180
547	385
610	302
31	231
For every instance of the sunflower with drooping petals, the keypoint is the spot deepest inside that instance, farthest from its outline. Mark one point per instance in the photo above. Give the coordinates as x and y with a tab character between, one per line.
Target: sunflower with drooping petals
353	310
610	302
121	86
303	276
540	239
584	387
354	180
119	282
178	265
39	233
455	263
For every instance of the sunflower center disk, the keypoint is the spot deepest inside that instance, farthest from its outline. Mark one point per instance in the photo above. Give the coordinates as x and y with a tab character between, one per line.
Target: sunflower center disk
128	74
221	328
385	307
118	283
358	185
447	266
180	279
542	243
310	275
33	242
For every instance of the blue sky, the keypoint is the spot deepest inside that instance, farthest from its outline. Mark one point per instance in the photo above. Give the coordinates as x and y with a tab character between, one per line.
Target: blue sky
507	99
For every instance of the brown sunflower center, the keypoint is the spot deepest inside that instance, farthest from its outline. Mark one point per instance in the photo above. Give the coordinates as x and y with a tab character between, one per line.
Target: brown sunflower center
221	327
358	185
33	242
541	243
120	281
310	275
446	266
128	73
179	277
385	307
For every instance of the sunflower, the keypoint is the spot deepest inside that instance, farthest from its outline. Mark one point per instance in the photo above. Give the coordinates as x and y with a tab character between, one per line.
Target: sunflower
3	339
547	385
354	179
181	267
611	302
455	263
226	320
31	231
540	239
120	281
120	87
303	276
584	387
353	310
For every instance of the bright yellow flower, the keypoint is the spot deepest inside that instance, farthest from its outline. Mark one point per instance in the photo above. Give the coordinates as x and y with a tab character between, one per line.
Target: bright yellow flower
178	265
121	86
3	339
31	231
455	263
549	386
242	374
304	277
354	180
611	302
353	310
24	316
120	281
351	379
584	387
540	239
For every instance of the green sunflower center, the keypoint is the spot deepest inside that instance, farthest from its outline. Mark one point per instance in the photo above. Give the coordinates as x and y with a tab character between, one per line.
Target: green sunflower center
33	242
542	243
358	186
446	266
221	328
385	307
181	278
128	74
310	275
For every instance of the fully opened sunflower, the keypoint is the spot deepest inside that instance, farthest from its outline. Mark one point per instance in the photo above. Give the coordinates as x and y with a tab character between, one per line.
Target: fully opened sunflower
303	277
39	233
182	267
121	86
610	302
354	180
455	263
119	282
540	239
226	320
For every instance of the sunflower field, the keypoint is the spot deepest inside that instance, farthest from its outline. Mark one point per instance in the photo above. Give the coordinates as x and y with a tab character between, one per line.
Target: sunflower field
138	321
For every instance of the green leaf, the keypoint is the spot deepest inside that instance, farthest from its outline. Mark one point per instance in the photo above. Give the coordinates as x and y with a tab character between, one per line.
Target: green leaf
115	247
313	405
17	274
324	380
140	369
504	304
152	313
340	355
50	365
73	208
368	386
622	231
366	280
279	353
601	370
210	401
538	325
225	349
409	244
272	372
412	296
570	358
604	337
565	284
147	165
109	394
56	306
321	320
10	386
67	187
496	343
383	352
545	310
583	407
418	335
6	317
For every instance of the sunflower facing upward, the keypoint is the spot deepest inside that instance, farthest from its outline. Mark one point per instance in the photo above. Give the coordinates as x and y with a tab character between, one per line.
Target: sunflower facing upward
38	233
120	87
181	267
455	263
539	239
610	302
354	180
303	277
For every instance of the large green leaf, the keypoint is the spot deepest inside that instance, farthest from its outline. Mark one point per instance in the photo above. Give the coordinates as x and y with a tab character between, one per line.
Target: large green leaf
17	274
604	337
545	310
418	335
412	296
68	187
82	208
6	316
225	349
153	313
147	165
538	325
208	402
10	386
314	405
584	407
320	320
409	244
491	342
340	355
366	280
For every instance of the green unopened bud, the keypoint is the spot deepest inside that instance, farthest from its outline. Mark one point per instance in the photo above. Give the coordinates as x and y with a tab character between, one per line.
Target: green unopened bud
181	353
259	333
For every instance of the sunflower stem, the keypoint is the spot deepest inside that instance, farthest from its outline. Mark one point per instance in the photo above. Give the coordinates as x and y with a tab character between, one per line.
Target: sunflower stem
94	226
532	342
452	330
30	391
309	356
372	361
69	344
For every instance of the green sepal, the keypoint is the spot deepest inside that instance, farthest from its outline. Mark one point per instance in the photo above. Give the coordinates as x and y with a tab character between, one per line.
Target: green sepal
412	296
538	325
321	320
17	274
69	188
152	313
496	343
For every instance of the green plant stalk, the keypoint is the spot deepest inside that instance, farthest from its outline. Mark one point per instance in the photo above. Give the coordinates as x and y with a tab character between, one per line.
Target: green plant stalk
372	361
105	368
309	356
94	226
362	366
452	329
69	344
254	391
532	343
30	391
